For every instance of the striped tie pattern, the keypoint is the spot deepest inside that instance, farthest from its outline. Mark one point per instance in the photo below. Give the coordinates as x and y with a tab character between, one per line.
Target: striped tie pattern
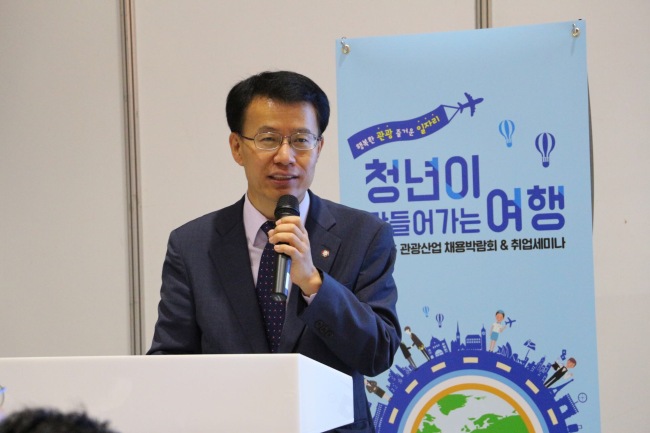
272	311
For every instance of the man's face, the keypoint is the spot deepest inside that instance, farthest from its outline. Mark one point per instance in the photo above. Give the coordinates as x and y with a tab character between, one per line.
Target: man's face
274	173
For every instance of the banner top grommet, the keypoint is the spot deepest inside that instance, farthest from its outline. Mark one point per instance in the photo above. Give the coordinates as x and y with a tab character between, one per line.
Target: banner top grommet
576	31
345	48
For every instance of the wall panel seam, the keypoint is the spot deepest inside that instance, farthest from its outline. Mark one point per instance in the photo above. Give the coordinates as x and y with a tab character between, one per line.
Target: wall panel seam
133	178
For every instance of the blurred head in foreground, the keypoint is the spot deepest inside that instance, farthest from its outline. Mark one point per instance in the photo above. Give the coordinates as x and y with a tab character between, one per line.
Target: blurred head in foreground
40	420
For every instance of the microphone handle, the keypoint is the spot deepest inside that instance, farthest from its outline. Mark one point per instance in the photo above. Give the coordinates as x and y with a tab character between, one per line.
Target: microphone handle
281	280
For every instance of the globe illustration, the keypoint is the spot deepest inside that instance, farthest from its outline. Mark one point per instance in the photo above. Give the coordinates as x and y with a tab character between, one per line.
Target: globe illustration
470	411
474	391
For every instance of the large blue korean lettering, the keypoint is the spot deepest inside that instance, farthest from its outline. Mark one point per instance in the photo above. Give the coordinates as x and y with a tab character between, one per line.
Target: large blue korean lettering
537	201
431	172
423	222
462	181
500	207
380	171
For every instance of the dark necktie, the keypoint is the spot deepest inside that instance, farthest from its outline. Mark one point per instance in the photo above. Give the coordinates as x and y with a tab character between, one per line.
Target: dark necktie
272	311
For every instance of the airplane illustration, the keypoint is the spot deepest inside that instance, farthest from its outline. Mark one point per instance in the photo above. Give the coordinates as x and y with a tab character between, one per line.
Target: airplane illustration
471	104
509	322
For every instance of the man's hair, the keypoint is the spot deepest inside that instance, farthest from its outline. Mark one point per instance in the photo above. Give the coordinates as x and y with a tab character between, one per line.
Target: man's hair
39	420
282	86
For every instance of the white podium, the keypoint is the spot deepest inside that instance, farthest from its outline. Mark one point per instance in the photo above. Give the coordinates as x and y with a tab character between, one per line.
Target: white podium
279	393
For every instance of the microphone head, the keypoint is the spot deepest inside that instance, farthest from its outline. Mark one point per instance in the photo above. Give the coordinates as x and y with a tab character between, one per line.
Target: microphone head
287	205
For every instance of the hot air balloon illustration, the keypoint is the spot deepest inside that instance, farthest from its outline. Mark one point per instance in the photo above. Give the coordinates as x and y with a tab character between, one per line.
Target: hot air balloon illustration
545	143
439	319
507	128
425	310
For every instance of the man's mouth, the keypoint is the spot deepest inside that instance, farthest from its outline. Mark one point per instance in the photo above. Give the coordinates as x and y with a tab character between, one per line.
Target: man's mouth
282	177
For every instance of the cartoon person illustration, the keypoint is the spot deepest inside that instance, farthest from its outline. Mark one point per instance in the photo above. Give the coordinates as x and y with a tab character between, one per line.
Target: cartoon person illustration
417	342
373	388
497	328
407	354
561	371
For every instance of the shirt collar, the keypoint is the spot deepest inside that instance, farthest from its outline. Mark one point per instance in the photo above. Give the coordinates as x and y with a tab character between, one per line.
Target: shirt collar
253	220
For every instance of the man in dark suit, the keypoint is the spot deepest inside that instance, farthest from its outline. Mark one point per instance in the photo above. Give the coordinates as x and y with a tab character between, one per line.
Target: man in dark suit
560	371
341	307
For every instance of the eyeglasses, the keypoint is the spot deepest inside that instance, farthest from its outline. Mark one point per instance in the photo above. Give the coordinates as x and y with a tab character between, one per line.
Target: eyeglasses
273	140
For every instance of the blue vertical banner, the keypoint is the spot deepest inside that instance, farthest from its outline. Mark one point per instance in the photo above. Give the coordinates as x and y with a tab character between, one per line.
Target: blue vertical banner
475	147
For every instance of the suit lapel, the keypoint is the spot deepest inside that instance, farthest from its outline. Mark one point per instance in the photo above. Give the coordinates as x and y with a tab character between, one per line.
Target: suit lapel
229	253
324	247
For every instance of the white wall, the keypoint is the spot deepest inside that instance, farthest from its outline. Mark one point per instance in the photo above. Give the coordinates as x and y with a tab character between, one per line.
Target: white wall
63	233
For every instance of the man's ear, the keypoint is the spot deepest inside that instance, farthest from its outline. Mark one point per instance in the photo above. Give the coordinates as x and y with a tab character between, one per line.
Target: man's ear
235	148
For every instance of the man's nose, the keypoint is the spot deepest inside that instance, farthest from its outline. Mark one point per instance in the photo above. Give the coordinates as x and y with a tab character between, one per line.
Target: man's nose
285	153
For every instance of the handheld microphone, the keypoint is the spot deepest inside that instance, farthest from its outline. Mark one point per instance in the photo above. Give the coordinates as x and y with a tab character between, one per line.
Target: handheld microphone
287	205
